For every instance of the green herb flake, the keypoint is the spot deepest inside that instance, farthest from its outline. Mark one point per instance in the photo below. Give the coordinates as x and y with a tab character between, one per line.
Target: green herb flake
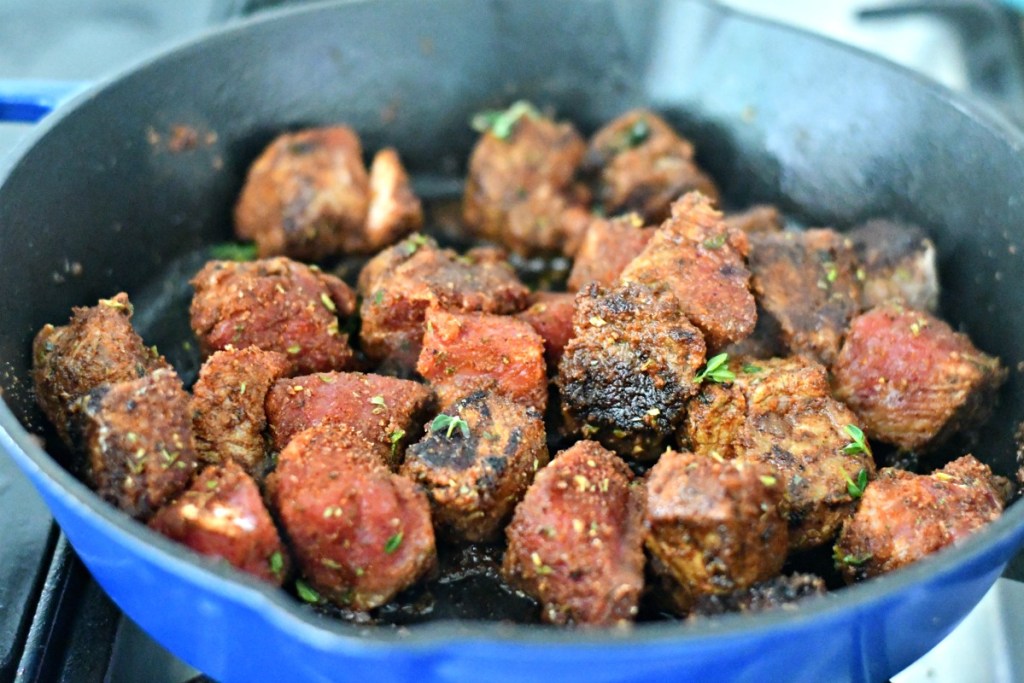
768	480
450	423
306	593
752	369
716	242
502	122
276	562
859	444
831	272
856	560
856	488
233	251
395	437
412	244
639	132
716	370
211	484
294	349
328	304
393	543
378	297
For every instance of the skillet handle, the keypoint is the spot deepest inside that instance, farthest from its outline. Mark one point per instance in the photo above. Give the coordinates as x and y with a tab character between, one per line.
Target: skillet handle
23	101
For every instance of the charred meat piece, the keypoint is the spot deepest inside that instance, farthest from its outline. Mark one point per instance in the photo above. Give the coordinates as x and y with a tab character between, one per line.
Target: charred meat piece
228	412
713	526
700	261
904	516
607	248
98	346
576	540
898	263
385	410
643	165
627	372
521	190
399	284
550	315
807	282
911	379
474	482
138	436
778	413
359	532
277	305
468	352
775	593
308	197
222	515
758	218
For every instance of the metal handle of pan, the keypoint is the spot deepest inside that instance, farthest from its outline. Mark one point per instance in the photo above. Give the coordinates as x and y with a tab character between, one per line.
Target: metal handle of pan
27	101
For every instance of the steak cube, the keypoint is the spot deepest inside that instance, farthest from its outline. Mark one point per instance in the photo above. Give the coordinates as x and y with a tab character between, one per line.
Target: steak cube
898	263
550	315
607	248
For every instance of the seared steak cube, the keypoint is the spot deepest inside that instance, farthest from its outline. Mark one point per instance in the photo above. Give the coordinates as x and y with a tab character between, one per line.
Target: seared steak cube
550	315
807	281
904	516
643	165
277	305
138	437
713	526
697	258
474	481
222	515
360	533
399	284
911	379
467	352
521	190
228	413
385	410
98	346
607	248
778	413
898	263
576	540
627	372
308	197
758	218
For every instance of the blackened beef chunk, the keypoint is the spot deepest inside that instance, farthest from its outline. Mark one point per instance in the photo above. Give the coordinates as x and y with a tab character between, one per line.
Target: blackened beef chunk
222	515
904	516
807	282
277	305
474	482
308	197
912	380
778	413
138	436
897	262
228	413
576	540
467	352
627	372
360	533
697	258
98	346
521	190
713	526
399	284
643	165
385	410
607	248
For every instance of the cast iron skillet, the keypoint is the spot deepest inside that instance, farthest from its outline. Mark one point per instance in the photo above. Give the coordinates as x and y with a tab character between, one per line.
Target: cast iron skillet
828	134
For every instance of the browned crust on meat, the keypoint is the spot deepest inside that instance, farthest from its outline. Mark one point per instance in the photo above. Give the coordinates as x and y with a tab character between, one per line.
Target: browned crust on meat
757	218
575	541
550	315
607	248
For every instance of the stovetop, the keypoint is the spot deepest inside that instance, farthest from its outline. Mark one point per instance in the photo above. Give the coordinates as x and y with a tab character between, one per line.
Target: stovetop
56	624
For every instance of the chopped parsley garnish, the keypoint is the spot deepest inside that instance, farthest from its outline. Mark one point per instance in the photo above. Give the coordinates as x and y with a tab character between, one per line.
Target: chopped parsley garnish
378	297
276	563
768	480
306	593
639	132
752	369
859	443
503	122
451	423
856	488
233	251
716	370
716	242
328	304
395	437
294	349
413	243
393	543
378	401
856	560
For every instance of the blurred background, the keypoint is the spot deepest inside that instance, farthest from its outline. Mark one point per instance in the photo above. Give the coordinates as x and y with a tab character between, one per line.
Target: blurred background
57	625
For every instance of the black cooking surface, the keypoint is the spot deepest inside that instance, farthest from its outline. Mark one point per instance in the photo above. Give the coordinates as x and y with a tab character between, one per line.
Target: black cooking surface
56	624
